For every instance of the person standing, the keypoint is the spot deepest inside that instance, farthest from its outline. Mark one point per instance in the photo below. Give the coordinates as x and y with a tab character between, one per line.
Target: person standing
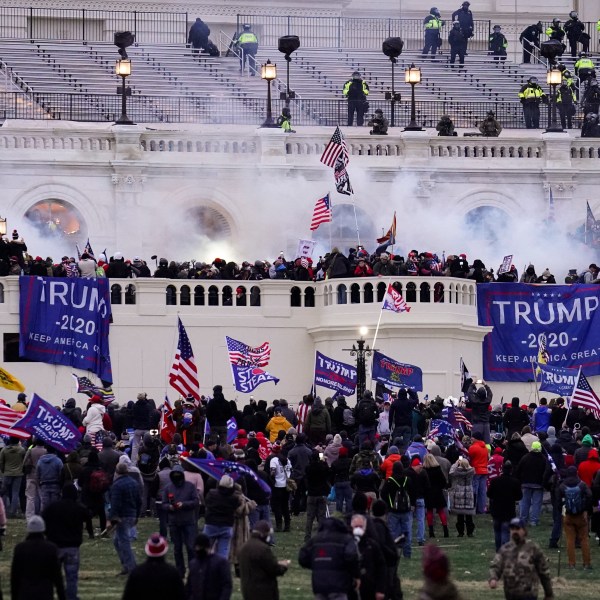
576	496
503	492
332	556
11	467
531	95
433	24
125	507
522	565
198	36
32	484
247	42
49	471
209	575
533	471
155	579
530	40
435	498
371	561
317	487
356	90
458	44
397	492
259	568
221	504
575	32
280	469
401	416
218	413
142	413
461	497
64	520
479	456
479	398
498	43
35	569
565	103
464	17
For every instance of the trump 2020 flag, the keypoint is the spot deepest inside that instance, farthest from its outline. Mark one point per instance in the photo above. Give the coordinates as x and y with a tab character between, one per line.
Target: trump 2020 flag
66	322
247	379
394	301
232	429
557	380
49	425
335	375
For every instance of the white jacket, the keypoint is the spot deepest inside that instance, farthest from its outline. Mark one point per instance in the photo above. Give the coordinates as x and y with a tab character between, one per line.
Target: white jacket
93	419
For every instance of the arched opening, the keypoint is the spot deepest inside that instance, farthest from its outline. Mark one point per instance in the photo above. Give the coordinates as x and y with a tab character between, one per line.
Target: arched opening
213	295
295	297
488	224
184	295
115	294
171	295
209	222
59	220
227	296
342	294
241	298
199	296
355	293
254	296
368	293
309	297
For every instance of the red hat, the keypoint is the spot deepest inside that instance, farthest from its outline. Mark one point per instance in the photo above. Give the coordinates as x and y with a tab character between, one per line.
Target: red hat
242	433
463	255
498	450
96	399
416	461
435	564
156	546
593	454
39	259
343	452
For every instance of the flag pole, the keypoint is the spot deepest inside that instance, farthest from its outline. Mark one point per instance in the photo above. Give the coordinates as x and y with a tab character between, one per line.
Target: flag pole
535	383
356	219
330	222
572	393
585	237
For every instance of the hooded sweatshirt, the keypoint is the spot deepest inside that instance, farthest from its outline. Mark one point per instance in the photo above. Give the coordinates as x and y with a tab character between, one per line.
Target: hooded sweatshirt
588	468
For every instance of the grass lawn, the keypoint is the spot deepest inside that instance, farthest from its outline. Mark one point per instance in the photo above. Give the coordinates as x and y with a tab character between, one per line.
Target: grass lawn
469	557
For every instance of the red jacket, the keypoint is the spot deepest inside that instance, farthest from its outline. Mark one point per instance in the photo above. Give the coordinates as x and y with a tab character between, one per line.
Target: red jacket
495	465
388	463
478	455
588	468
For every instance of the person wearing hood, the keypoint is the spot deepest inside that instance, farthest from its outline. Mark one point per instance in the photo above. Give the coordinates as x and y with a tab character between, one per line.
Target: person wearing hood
180	501
534	472
276	424
529	275
541	416
576	496
73	412
287	412
515	418
479	456
332	451
559	414
437	584
551	439
259	568
32	484
318	423
504	492
462	499
218	413
581	454
479	398
35	570
528	438
221	504
49	473
332	556
566	441
209	575
393	455
588	468
317	478
417	448
94	418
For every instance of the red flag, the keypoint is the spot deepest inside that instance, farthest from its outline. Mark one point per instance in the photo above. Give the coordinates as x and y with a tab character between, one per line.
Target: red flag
167	424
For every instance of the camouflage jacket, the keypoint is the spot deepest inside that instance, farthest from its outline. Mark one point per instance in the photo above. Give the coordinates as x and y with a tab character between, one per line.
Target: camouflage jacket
523	567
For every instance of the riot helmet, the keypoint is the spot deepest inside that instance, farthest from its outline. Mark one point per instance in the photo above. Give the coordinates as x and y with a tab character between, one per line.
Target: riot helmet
573	14
247	26
555	21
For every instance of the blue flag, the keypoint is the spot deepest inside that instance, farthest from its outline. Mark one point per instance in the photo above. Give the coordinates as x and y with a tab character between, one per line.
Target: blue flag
335	375
217	468
438	427
396	374
49	425
232	429
66	321
246	379
521	314
557	380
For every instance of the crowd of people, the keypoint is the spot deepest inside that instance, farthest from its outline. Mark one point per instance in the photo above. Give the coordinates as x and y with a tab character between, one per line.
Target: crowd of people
358	262
386	470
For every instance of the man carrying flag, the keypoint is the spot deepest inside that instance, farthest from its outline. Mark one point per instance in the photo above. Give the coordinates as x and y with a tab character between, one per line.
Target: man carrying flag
465	378
390	236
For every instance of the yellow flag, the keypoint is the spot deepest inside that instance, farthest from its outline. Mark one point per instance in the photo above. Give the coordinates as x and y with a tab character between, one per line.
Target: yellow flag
9	382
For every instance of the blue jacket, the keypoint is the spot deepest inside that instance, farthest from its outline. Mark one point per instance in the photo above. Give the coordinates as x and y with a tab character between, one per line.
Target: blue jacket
541	418
49	469
125	498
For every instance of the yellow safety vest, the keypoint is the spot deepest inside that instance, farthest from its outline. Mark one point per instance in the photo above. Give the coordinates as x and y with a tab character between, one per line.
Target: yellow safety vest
434	23
531	92
247	38
584	63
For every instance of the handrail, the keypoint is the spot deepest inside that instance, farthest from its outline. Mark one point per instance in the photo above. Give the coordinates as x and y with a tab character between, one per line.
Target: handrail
16	79
537	57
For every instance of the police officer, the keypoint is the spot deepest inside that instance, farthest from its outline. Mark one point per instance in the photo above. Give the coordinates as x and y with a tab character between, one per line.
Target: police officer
285	120
531	94
356	91
584	68
248	44
575	31
433	24
465	19
498	44
565	101
591	98
530	39
590	127
458	44
556	32
379	123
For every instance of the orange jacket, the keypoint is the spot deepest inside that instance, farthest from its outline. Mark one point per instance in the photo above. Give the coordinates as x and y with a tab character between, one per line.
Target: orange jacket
388	463
478	455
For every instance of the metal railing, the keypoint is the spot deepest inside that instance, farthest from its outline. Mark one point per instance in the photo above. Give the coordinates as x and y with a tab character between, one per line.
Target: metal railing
250	111
354	33
92	25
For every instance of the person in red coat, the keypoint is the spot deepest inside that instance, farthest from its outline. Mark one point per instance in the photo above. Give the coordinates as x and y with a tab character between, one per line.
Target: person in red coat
363	269
478	456
495	465
588	468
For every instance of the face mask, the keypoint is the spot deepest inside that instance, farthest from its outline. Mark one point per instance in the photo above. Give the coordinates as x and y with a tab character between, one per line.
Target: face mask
358	532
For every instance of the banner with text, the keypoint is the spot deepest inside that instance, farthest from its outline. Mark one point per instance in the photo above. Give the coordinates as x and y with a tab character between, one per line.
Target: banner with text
247	379
66	322
520	313
49	425
556	380
391	372
335	375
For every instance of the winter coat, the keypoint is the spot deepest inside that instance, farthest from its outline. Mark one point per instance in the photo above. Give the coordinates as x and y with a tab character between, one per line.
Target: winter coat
209	578
388	463
142	413
11	460
318	425
125	498
299	457
332	452
317	478
541	418
514	420
340	469
434	495
221	504
35	570
49	469
259	570
479	406
515	451
478	456
503	492
332	556
218	411
188	496
461	497
533	470
401	410
93	419
72	412
154	579
275	425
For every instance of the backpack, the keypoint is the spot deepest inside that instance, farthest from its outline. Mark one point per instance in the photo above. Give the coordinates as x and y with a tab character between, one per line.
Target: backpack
99	481
401	502
348	417
573	500
367	413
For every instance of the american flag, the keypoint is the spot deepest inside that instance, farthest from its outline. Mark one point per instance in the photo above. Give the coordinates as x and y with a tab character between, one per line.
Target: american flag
244	355
85	386
342	179
394	301
322	213
184	375
440	427
8	417
337	147
584	395
390	236
458	420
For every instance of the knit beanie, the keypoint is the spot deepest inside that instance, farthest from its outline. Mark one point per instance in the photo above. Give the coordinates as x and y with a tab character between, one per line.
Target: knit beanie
435	564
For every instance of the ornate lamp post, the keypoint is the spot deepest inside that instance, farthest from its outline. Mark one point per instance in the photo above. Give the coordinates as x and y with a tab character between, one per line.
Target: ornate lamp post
361	352
412	75
268	72
554	79
123	70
